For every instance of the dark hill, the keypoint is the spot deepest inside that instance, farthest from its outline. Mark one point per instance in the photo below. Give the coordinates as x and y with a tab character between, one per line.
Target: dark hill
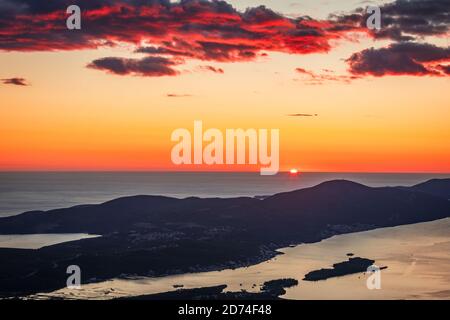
437	187
349	203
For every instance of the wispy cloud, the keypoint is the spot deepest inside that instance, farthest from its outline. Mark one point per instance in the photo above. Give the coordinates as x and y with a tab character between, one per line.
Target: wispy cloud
403	20
303	115
15	81
176	32
311	78
211	69
176	95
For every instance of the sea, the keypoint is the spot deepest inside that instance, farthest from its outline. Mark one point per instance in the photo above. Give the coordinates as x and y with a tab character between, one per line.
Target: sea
26	191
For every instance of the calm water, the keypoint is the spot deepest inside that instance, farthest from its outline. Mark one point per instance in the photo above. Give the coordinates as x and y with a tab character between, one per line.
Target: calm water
417	256
37	241
24	191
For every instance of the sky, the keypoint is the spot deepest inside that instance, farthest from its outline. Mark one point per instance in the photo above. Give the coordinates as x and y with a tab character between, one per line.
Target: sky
108	96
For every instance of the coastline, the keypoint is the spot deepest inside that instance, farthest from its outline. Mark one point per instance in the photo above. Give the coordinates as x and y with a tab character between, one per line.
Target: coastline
250	274
153	236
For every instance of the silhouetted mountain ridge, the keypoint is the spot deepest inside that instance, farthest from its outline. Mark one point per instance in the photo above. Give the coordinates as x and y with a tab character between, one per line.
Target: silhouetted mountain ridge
332	202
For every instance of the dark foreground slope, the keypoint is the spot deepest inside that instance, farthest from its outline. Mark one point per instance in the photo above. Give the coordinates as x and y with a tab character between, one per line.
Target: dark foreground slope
146	235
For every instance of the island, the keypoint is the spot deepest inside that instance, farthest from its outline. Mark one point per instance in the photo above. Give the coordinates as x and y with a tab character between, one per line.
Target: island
353	265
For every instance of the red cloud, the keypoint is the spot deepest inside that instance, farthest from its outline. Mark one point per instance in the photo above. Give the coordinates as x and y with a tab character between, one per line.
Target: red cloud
169	33
190	29
215	27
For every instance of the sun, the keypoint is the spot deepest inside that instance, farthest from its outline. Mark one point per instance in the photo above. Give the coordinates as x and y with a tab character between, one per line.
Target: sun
293	172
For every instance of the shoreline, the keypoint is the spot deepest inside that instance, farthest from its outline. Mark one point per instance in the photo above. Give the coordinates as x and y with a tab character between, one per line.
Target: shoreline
258	260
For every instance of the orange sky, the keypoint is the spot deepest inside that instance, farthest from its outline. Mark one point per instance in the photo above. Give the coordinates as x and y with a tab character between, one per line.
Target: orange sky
75	118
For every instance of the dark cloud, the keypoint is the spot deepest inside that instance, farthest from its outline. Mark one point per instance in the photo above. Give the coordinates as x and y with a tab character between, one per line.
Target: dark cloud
402	20
218	51
15	81
407	58
215	27
148	66
414	18
161	51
